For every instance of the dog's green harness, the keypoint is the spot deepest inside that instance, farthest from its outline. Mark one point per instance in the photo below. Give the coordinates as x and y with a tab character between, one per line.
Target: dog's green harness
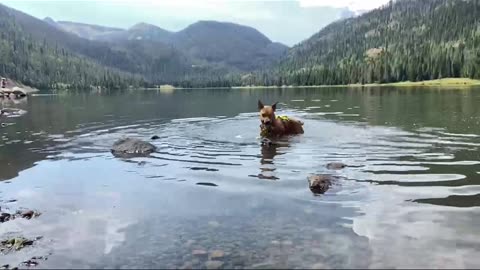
264	132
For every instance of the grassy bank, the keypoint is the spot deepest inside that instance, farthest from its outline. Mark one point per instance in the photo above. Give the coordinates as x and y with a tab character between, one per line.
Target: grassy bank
439	82
447	82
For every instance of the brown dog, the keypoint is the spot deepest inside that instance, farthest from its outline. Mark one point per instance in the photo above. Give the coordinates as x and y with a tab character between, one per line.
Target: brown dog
273	126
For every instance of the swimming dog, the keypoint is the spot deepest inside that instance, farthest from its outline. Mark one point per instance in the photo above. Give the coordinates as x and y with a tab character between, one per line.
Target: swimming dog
277	126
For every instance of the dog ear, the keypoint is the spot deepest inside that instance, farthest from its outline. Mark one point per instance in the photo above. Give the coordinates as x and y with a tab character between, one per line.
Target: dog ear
274	106
260	105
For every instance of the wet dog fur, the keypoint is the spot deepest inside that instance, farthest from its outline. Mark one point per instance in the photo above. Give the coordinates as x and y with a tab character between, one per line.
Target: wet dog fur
275	127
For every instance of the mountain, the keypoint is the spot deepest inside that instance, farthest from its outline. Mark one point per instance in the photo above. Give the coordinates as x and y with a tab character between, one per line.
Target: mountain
208	42
48	43
157	62
228	43
403	40
87	31
50	21
140	31
51	35
27	56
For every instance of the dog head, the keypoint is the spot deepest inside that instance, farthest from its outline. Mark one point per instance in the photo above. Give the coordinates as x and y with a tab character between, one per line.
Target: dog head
267	113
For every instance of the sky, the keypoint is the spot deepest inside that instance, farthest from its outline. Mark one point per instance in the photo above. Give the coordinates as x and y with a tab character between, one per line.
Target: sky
285	21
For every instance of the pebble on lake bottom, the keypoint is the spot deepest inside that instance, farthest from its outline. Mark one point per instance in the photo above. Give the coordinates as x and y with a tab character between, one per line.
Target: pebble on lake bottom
213	264
213	224
266	265
189	243
199	252
287	243
217	254
319	266
187	265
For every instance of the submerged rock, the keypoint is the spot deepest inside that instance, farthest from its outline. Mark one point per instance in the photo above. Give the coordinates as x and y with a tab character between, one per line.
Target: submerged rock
4	217
217	254
30	263
265	265
155	137
15	244
187	265
28	214
214	224
319	184
213	264
319	266
199	252
336	166
132	147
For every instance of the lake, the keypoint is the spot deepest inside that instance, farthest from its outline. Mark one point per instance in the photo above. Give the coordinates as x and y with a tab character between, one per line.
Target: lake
409	197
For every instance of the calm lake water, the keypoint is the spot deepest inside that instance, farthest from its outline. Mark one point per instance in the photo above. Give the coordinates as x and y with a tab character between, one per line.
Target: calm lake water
409	198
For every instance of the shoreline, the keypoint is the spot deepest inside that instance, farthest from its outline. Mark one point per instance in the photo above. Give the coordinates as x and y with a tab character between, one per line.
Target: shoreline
446	82
18	86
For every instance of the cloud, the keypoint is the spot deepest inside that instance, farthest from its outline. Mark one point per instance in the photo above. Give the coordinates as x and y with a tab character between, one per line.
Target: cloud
286	21
354	5
222	4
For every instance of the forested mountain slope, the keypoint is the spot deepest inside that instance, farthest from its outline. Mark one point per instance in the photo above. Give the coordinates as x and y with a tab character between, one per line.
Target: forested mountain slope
32	60
233	46
404	40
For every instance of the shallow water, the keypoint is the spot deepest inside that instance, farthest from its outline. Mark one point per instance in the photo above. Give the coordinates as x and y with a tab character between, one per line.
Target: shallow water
409	197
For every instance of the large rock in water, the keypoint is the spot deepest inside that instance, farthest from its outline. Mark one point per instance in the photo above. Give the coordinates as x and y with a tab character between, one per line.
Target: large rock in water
132	147
319	184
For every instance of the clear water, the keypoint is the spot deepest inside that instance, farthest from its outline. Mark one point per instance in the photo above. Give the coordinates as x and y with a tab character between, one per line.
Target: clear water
409	197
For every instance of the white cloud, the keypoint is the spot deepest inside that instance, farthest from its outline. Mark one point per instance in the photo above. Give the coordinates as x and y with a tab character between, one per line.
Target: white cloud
209	4
354	5
286	21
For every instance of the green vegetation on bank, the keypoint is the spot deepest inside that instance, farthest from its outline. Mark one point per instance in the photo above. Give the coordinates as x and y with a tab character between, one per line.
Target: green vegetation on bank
447	82
434	83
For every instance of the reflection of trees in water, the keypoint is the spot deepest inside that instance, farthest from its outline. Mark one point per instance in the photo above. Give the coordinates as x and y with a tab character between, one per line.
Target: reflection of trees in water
406	107
14	159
